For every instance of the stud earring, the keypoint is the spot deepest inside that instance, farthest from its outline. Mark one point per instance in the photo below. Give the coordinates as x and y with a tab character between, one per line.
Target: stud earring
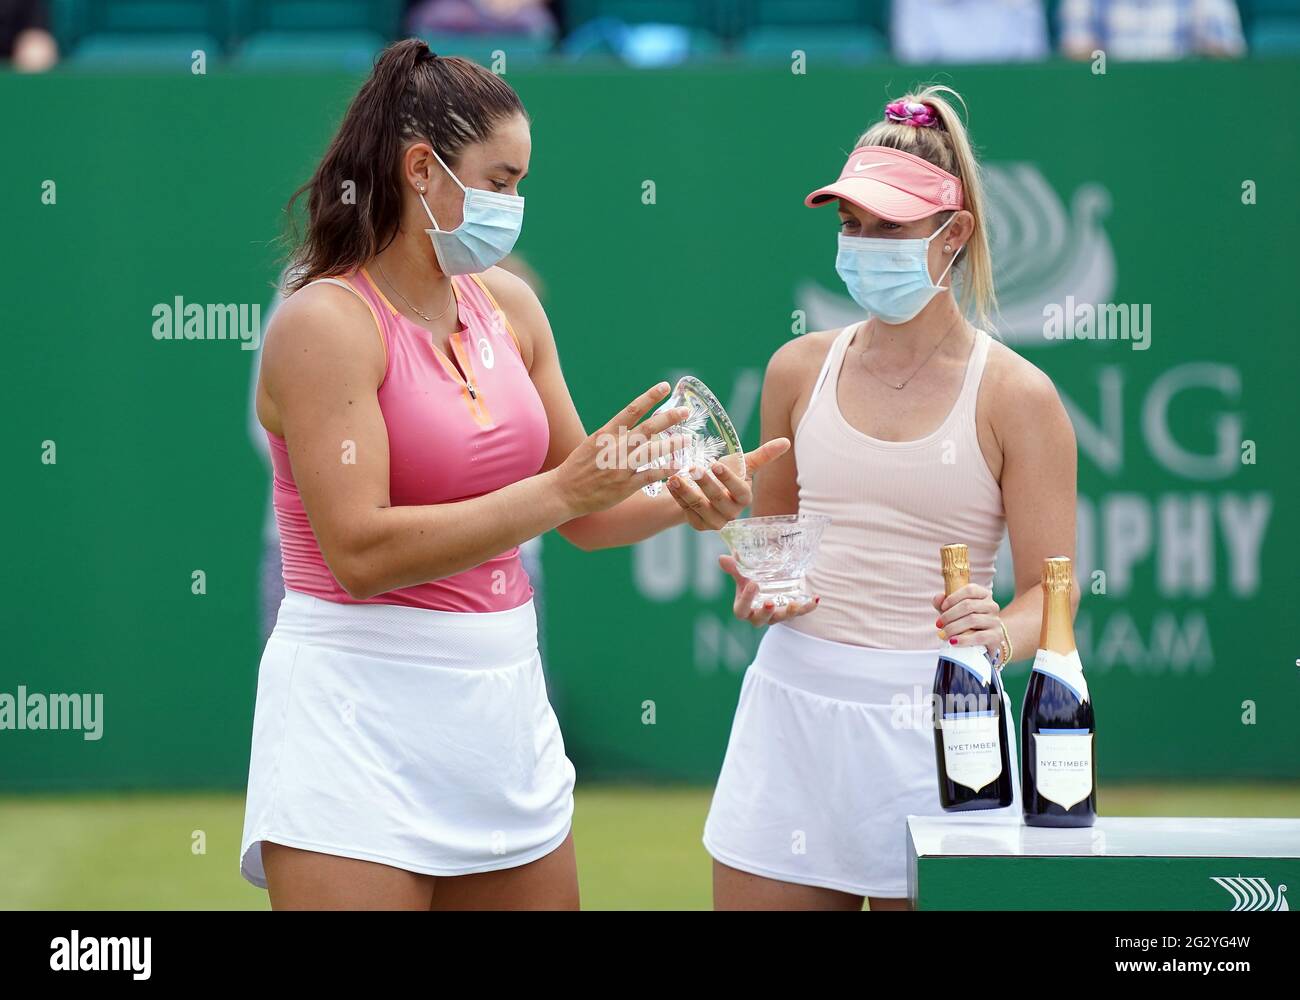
947	248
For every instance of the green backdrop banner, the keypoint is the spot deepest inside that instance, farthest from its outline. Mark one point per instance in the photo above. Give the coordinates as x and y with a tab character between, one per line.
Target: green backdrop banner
1143	229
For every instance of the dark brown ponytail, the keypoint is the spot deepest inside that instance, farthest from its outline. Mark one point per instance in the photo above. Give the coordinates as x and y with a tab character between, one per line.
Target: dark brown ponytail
354	198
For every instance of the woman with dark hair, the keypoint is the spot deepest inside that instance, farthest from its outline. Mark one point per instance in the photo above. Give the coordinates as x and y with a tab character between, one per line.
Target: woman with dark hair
404	752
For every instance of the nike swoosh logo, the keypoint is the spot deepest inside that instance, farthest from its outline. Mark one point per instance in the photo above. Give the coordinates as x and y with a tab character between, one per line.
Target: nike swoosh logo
859	167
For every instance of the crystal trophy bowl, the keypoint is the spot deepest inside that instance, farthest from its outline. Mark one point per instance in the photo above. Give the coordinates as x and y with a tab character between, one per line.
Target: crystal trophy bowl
775	552
708	430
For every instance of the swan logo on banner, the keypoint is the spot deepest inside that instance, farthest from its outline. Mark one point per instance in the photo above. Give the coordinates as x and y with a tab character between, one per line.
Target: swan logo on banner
1252	893
1042	252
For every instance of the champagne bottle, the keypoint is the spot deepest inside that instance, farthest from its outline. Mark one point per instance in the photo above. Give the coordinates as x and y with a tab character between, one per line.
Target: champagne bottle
970	733
1057	728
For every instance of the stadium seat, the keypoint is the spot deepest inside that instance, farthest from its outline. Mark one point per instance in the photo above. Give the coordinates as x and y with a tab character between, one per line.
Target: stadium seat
822	13
852	31
298	34
1269	8
1275	36
351	51
704	14
152	33
820	44
710	22
519	50
382	17
127	52
642	44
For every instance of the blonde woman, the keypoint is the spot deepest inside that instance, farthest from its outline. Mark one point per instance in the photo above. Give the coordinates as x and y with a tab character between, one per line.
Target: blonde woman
911	429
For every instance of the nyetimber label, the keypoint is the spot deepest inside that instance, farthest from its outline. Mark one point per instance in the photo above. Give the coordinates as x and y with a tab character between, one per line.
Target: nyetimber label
75	953
972	753
1063	762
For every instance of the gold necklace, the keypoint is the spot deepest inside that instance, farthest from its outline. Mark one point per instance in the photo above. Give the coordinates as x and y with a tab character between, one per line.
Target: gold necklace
863	354
411	305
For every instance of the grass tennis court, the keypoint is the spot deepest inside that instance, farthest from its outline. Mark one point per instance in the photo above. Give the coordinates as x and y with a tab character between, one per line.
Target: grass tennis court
638	847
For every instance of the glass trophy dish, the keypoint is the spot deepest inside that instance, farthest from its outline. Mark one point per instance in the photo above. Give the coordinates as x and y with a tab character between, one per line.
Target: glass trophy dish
708	430
775	552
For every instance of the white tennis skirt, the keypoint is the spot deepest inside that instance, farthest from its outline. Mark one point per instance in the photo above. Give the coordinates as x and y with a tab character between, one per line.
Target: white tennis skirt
413	738
832	748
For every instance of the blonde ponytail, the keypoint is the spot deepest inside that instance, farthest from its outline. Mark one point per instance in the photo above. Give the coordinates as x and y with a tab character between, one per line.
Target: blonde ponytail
948	147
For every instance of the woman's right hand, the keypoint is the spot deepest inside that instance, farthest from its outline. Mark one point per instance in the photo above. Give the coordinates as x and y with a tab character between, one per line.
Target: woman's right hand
764	614
601	471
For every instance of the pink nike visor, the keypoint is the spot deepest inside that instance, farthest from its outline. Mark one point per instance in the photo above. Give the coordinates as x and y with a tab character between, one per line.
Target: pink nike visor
892	184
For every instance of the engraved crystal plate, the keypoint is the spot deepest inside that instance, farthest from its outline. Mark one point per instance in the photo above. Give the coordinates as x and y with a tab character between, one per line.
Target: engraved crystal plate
775	552
709	429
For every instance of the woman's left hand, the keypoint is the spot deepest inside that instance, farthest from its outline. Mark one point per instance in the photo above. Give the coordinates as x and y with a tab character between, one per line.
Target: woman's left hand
969	617
721	493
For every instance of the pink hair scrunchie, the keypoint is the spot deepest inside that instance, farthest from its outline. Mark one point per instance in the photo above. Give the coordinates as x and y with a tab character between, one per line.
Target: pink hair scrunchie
911	113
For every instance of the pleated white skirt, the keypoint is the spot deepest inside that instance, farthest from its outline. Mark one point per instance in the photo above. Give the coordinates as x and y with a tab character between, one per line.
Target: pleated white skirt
413	738
832	748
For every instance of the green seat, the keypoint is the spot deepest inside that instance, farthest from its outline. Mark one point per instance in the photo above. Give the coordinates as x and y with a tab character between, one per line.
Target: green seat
67	21
704	14
702	46
519	50
1284	9
155	32
1274	36
380	17
823	13
820	44
151	51
153	16
351	51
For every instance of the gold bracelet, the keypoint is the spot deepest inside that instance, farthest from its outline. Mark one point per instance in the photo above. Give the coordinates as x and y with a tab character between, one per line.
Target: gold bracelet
1006	649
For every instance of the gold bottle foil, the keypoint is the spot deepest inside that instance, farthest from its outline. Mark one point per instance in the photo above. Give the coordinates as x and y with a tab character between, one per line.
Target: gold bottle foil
955	560
1057	634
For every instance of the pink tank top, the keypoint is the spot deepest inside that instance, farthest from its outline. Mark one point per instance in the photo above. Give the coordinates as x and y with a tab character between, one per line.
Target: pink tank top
891	505
448	439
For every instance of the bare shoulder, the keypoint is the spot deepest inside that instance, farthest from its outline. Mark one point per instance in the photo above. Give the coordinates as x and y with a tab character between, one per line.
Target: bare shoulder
788	384
320	327
522	308
1021	396
798	360
509	289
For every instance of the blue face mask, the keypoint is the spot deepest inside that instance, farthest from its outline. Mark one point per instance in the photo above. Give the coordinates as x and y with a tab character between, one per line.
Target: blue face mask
889	278
490	224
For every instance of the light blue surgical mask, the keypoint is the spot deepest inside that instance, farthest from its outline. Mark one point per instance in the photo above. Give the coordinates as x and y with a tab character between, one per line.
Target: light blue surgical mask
489	226
890	278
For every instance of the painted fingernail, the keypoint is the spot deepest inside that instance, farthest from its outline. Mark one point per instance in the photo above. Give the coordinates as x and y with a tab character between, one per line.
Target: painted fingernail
939	623
817	600
952	642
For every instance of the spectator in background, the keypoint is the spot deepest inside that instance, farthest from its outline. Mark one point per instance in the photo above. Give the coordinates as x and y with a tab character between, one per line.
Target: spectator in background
25	38
933	31
1151	29
463	17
